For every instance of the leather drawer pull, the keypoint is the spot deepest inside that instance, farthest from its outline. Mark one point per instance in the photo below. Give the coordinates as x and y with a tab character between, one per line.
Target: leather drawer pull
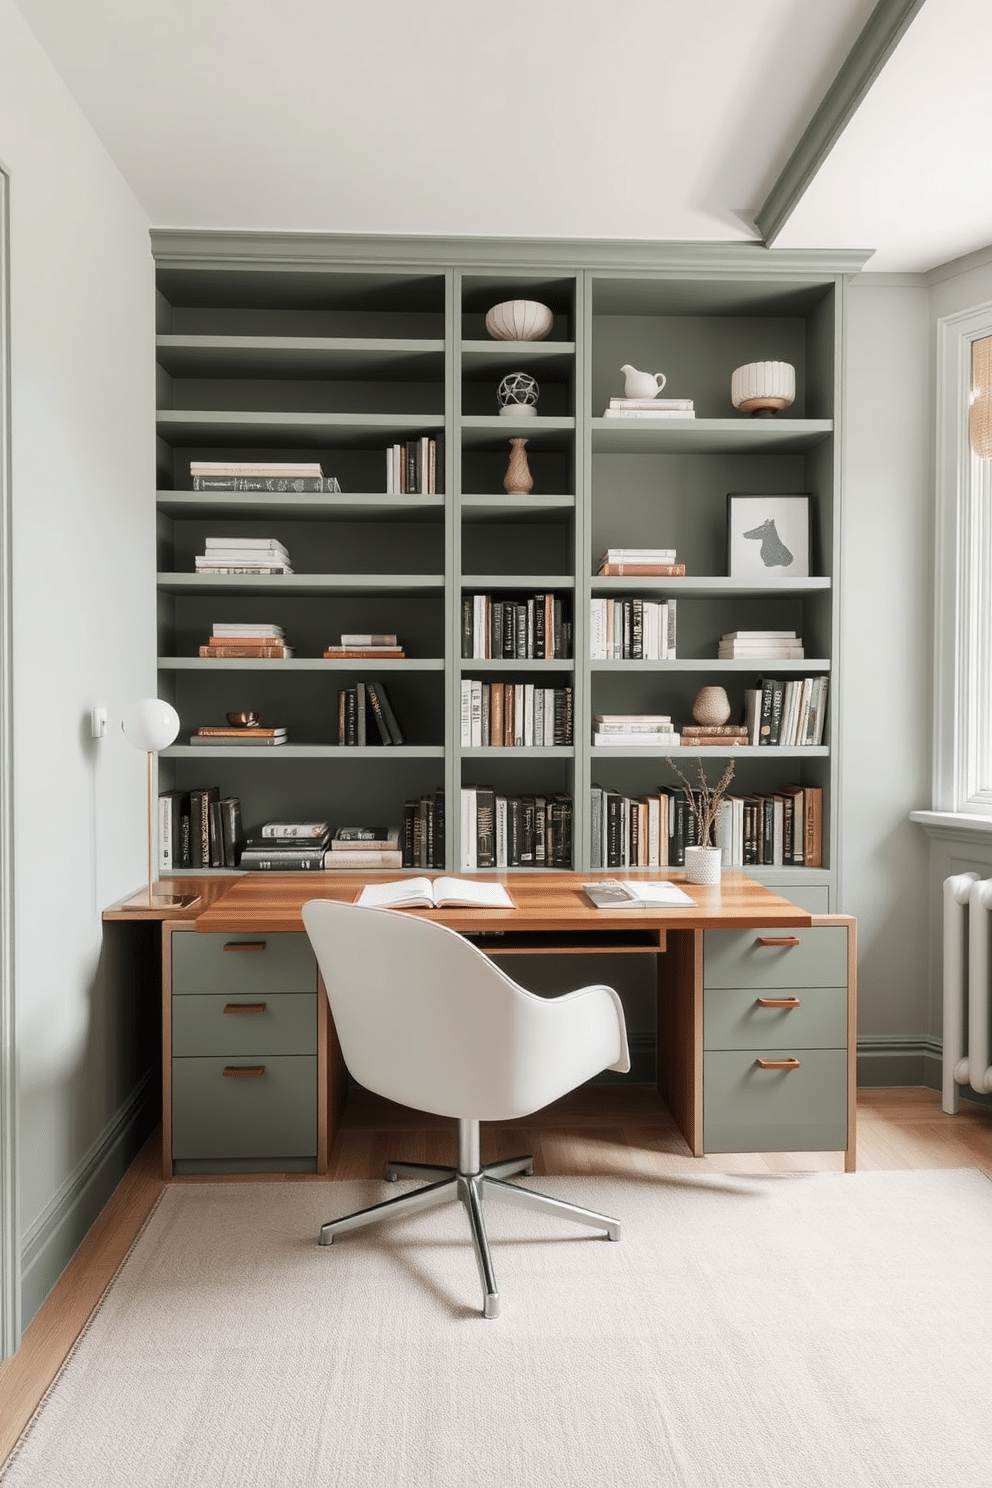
779	1002
243	1071
780	1064
778	940
244	1007
245	945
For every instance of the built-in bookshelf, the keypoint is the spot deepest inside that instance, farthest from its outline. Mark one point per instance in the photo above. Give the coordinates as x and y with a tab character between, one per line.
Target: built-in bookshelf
337	349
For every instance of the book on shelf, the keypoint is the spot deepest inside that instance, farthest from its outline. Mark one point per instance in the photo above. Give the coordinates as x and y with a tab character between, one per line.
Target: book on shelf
282	859
501	715
760	635
173	830
515	831
760	651
256	467
246	739
200	800
639	555
308	831
673	404
225	731
649	413
260	570
714	730
613	893
278	844
348	840
439	893
278	484
354	862
365	714
232	835
364	653
370	638
411	467
512	628
225	631
244	545
233	650
423	836
666	739
633	629
638	569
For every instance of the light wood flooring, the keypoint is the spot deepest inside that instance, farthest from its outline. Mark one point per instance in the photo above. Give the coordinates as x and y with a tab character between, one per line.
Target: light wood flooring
599	1130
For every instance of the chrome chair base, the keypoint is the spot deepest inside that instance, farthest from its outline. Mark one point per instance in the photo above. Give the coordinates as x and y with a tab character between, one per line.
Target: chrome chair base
451	1184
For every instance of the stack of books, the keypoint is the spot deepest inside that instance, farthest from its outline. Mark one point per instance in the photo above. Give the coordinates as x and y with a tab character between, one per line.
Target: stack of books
260	475
369	643
222	737
231	640
761	645
714	735
641	561
643	730
646	408
411	468
353	849
243	555
291	847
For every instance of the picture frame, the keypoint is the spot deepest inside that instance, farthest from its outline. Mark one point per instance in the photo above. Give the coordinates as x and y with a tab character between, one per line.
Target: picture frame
768	537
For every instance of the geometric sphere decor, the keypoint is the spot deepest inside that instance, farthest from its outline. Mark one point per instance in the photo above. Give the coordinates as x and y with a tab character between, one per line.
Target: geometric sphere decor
517	394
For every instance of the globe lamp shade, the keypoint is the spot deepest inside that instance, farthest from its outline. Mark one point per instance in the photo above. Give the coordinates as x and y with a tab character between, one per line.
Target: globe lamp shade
150	724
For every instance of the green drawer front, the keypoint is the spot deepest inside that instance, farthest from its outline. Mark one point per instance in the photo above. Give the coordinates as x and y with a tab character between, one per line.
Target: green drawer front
271	1115
748	1109
200	963
285	1025
733	1018
736	958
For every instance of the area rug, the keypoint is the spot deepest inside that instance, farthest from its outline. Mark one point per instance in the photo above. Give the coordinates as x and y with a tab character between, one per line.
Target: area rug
793	1331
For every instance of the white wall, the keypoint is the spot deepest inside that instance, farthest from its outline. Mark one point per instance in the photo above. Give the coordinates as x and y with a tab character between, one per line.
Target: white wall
885	684
83	548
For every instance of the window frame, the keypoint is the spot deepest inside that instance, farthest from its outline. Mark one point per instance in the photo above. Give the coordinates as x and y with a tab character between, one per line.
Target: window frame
962	779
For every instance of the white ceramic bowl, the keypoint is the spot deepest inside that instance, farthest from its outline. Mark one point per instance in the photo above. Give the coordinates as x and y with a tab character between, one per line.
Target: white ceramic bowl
763	387
519	320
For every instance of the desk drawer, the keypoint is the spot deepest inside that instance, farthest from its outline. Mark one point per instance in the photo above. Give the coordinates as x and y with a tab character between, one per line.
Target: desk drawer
815	956
750	1109
234	1027
734	1018
266	1115
242	965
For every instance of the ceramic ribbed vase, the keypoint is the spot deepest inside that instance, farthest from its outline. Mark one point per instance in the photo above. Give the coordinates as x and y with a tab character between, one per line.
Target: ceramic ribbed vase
518	480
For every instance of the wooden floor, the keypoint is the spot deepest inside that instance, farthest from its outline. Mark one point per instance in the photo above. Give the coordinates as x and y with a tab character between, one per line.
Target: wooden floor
600	1130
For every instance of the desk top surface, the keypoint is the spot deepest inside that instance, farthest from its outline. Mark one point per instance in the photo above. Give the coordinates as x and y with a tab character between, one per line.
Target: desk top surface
544	901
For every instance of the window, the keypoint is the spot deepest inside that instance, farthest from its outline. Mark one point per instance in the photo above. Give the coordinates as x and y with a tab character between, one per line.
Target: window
963	631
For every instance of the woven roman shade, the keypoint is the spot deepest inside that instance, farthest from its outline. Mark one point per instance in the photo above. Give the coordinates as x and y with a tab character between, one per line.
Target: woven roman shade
980	409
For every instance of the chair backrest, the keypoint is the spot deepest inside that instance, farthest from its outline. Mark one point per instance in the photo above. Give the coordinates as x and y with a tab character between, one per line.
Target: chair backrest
426	1019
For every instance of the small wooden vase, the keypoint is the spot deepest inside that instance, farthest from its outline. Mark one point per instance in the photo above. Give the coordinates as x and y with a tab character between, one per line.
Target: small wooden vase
518	480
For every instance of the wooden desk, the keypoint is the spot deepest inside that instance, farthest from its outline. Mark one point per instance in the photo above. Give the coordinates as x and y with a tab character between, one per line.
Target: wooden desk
714	1024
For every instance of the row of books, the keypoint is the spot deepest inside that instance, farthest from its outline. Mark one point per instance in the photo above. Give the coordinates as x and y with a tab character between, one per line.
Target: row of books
366	716
654	730
648	408
633	630
279	476
247	640
760	645
790	713
506	715
198	828
308	847
658	562
243	555
422	841
774	829
411	468
504	831
515	629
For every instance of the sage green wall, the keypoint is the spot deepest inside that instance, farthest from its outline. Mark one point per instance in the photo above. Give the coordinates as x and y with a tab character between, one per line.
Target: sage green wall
884	687
83	524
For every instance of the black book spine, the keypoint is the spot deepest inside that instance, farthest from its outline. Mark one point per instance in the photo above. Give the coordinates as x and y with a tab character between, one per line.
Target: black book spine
514	825
637	629
388	712
539	625
350	716
375	704
520	639
439	830
485	827
614	818
409	812
541	835
468	627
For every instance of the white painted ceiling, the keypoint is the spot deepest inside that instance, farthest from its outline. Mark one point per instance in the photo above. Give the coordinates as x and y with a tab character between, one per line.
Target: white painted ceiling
658	119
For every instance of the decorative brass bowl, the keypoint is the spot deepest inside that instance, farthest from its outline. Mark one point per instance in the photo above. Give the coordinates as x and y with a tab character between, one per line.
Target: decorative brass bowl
242	720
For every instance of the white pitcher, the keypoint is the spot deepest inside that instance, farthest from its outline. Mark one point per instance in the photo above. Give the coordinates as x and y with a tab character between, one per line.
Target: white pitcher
641	384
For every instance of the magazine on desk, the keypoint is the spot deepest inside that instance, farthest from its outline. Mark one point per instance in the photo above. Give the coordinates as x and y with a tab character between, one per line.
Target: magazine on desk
422	893
610	893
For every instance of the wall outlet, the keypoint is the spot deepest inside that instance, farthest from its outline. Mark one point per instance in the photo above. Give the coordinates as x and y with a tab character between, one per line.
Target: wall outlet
98	722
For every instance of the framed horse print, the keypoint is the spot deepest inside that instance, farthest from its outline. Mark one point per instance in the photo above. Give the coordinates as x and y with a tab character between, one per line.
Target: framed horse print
767	536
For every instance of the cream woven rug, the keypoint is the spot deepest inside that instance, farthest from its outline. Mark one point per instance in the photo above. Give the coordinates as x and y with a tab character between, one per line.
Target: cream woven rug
794	1331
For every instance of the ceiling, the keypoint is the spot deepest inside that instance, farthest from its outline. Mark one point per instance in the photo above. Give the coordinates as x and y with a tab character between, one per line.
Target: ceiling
655	119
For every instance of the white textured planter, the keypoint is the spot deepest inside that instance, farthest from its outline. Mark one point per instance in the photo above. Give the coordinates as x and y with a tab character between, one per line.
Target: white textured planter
702	864
763	388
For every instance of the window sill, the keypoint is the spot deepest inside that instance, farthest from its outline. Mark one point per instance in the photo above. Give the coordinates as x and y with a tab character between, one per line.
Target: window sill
962	825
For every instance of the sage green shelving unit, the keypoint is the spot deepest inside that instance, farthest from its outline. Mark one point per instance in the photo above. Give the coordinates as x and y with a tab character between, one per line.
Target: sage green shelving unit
336	347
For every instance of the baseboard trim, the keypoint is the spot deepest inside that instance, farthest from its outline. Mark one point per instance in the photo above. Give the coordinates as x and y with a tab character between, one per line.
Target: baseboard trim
53	1239
887	1060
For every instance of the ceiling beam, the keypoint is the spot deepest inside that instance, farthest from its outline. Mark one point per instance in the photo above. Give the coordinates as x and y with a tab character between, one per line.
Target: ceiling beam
881	35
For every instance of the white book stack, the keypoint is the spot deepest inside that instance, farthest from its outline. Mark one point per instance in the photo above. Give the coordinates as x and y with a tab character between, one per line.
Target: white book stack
243	555
638	730
760	645
648	408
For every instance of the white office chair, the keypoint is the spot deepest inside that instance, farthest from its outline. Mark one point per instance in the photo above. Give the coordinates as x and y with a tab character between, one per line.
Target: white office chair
427	1020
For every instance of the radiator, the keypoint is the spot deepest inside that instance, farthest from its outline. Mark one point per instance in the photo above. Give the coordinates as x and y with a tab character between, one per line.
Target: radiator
967	1057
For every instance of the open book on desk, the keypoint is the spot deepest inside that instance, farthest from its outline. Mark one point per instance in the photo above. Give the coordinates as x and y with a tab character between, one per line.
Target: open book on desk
422	893
610	893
